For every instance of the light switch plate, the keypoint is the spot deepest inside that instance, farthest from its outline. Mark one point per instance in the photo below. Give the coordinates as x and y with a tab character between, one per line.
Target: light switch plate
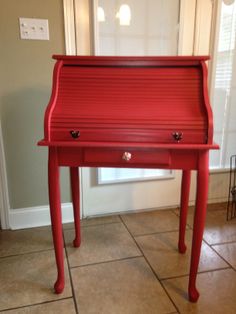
34	28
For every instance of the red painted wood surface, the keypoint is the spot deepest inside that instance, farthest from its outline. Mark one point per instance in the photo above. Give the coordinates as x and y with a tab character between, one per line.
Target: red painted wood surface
185	189
129	100
155	110
56	219
75	194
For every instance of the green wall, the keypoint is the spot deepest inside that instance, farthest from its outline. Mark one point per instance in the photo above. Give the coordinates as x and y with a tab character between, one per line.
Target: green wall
25	86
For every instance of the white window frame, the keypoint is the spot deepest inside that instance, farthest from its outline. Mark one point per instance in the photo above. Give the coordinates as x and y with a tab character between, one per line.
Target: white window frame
217	4
102	180
69	27
193	11
194	38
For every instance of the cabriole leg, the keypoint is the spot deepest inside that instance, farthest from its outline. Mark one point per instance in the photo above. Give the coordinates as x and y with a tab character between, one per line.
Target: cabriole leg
185	187
55	212
75	193
199	223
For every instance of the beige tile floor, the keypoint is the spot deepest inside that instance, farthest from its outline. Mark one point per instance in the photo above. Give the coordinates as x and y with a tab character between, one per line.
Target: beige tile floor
126	264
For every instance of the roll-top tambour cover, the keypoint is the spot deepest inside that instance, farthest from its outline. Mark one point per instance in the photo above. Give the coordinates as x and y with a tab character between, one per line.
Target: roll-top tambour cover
129	99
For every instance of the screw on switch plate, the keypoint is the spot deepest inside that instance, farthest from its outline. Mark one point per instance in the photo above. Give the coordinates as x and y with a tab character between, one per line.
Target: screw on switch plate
34	29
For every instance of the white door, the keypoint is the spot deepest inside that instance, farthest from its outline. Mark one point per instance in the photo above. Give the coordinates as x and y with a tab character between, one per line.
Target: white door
151	27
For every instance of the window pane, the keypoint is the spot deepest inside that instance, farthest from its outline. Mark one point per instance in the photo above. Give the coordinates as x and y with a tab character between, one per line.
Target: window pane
224	98
151	28
113	175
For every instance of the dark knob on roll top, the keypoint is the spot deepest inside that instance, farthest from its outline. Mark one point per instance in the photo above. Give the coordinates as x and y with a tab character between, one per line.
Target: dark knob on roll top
75	134
177	136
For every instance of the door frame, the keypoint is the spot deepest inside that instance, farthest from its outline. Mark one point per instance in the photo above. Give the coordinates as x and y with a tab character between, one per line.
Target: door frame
78	16
80	31
4	196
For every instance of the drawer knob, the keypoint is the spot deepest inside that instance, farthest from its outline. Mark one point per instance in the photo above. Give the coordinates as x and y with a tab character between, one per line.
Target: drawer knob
177	136
75	134
126	156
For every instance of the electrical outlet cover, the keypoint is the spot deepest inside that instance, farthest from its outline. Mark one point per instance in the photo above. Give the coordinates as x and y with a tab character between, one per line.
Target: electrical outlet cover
34	28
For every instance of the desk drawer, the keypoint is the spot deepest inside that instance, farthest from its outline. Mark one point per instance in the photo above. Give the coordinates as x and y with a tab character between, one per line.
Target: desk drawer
126	156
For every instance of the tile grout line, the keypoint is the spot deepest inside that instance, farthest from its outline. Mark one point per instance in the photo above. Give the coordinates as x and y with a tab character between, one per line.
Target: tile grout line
221	243
175	306
158	232
94	225
187	224
26	253
211	246
198	273
206	242
70	276
106	262
217	269
34	304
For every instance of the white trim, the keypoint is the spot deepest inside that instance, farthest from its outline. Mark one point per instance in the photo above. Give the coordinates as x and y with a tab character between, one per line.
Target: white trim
70	39
214	46
37	216
95	27
213	200
143	210
203	27
219	170
186	27
4	196
83	27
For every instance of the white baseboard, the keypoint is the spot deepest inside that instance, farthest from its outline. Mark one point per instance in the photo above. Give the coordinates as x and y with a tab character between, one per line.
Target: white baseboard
37	216
212	200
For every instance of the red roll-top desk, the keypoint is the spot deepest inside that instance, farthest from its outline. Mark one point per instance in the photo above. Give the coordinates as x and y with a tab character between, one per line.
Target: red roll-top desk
144	112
